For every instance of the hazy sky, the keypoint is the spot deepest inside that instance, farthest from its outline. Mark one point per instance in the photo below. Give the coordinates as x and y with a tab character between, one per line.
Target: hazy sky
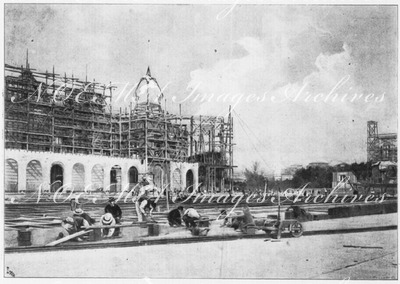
304	80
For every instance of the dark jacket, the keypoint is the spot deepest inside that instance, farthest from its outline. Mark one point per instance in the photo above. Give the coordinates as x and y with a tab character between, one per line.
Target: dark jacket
86	216
150	205
114	210
174	217
78	224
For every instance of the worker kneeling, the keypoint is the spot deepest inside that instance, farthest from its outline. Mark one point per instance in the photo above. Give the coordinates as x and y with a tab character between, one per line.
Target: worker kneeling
192	221
72	226
115	211
190	216
79	213
108	220
175	217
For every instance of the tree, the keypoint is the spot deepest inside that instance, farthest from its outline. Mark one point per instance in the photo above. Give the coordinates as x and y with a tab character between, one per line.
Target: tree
255	177
320	177
317	177
362	171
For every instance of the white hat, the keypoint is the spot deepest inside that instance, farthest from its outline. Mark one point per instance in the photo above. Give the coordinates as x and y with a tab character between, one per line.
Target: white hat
69	220
107	218
78	211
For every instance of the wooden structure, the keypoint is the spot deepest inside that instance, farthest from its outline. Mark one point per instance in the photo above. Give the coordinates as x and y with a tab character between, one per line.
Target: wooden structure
45	111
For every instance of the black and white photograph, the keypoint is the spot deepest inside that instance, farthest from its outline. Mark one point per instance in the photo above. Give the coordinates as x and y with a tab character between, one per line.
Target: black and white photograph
197	141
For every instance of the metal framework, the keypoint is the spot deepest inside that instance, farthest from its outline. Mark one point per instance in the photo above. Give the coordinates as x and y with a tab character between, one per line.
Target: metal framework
45	111
380	147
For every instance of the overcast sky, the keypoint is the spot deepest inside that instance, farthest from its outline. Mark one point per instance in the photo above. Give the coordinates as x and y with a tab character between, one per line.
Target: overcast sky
303	80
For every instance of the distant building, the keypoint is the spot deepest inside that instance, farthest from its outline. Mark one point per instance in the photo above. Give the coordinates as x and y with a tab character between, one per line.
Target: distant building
289	172
270	175
286	177
341	177
318	164
341	166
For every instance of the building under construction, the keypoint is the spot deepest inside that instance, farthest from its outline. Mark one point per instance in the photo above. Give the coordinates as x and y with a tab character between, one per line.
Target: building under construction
382	153
380	147
61	131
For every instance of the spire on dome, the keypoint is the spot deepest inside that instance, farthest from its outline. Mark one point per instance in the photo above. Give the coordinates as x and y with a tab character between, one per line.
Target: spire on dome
27	59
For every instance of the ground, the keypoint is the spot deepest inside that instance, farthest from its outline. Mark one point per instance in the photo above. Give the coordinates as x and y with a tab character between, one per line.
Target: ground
307	257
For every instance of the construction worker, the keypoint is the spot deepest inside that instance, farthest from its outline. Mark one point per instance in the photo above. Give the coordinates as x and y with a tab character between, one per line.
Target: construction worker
108	220
175	217
190	216
72	226
69	225
229	221
78	212
144	187
143	195
115	211
146	206
248	220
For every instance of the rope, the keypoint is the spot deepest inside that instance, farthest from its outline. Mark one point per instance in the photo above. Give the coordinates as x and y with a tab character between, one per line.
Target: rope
241	122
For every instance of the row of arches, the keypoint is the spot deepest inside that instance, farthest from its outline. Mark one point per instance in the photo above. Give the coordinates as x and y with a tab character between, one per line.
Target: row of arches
34	176
97	177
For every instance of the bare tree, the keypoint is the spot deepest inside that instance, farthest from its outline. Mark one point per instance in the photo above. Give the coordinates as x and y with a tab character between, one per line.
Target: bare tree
255	177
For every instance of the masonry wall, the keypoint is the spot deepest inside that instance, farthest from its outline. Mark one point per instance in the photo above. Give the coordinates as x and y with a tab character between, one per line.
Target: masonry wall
27	170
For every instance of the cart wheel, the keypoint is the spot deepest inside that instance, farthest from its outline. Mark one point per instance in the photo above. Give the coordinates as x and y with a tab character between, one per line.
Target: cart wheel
296	229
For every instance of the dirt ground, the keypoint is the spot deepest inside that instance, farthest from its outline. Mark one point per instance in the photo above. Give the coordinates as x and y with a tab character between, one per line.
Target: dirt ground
307	257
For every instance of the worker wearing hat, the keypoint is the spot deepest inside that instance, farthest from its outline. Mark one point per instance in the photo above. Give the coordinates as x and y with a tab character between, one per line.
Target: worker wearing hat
115	211
73	225
78	212
108	220
69	225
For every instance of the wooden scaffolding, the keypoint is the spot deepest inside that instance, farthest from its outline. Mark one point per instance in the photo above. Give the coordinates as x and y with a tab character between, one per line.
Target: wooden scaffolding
45	111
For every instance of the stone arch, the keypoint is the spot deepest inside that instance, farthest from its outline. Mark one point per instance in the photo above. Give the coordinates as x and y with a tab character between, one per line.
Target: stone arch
78	177
189	181
202	178
133	175
97	177
176	180
158	176
115	178
34	175
56	176
11	175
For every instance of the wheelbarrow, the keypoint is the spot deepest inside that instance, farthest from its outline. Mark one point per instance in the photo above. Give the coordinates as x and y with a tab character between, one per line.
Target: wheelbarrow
248	226
292	226
202	227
